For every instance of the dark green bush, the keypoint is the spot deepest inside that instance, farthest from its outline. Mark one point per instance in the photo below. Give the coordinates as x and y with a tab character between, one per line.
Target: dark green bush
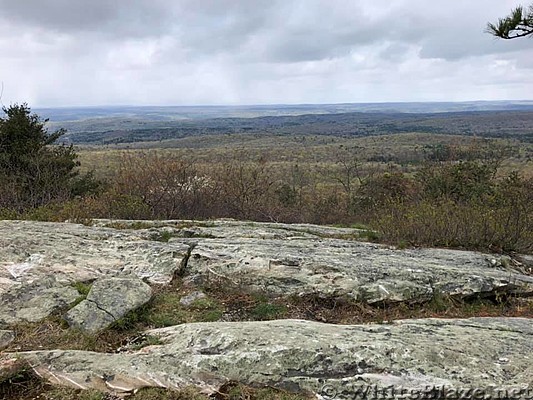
34	170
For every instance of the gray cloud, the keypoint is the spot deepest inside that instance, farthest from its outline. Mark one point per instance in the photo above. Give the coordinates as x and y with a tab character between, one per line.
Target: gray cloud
108	17
63	52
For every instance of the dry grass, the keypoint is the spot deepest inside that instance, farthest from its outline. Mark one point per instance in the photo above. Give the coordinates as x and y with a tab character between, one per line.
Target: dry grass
241	306
54	333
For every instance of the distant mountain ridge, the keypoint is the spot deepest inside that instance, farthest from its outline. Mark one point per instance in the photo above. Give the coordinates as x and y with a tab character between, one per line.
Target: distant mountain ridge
170	113
111	125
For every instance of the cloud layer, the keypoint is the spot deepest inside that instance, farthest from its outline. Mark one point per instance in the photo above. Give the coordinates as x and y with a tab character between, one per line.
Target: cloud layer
104	52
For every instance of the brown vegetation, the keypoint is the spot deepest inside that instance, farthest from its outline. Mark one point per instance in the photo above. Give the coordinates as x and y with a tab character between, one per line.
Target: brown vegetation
448	195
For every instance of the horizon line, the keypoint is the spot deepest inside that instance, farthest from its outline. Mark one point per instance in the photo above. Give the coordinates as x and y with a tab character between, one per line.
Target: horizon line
285	104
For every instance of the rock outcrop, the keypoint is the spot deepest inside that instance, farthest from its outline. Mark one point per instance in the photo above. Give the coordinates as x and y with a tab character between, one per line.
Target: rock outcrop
333	361
74	252
41	262
363	271
282	259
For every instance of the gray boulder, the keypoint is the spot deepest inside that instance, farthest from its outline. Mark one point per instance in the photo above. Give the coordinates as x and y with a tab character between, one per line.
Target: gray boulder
188	300
108	301
333	361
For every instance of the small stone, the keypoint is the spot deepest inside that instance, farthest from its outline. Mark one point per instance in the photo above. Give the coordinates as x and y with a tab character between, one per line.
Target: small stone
186	301
6	337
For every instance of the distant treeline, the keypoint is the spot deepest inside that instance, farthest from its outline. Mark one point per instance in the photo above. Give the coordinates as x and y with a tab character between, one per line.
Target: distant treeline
496	124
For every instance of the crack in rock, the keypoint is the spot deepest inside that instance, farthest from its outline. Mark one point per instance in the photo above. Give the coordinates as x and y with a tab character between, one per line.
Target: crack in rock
108	300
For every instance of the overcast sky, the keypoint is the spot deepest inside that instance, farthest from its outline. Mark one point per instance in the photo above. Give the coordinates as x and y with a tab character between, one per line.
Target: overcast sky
185	52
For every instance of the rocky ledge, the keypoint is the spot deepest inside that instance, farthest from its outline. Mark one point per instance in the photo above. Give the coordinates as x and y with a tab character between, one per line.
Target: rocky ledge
96	274
40	262
329	361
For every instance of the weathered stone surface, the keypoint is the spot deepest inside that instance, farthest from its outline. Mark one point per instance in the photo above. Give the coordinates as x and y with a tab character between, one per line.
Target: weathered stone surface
285	259
279	259
6	337
228	228
108	300
334	361
87	317
364	271
33	301
72	252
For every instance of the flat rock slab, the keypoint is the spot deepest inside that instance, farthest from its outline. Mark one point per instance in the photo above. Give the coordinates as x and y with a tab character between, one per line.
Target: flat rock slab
296	259
108	300
333	361
34	301
228	228
278	259
73	252
363	271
